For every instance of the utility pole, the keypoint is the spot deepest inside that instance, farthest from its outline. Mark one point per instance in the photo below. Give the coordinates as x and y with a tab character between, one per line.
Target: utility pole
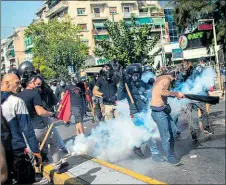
162	46
215	49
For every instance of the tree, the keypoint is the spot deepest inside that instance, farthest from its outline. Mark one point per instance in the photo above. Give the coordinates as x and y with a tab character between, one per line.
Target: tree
58	44
188	12
127	43
40	64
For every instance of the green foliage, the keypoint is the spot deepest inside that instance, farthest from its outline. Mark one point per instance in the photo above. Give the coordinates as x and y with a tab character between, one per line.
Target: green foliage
58	44
127	43
40	64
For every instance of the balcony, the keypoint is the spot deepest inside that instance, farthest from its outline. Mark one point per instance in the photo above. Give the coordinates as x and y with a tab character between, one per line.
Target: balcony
98	16
62	5
99	31
144	14
157	14
10	53
129	15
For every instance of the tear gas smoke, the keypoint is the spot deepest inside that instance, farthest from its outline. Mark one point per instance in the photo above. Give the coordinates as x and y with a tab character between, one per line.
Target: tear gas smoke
199	85
114	140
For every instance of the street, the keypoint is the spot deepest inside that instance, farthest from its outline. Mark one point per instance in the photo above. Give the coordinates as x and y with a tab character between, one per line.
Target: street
203	163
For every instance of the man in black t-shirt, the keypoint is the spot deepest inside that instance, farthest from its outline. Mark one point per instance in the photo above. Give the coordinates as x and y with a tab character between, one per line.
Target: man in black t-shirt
33	101
106	87
97	101
77	106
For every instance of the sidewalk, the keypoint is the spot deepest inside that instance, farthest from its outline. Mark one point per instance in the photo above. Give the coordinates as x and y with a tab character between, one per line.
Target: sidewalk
87	170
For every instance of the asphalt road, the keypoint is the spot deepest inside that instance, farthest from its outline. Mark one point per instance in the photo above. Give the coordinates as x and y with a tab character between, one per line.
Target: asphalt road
203	163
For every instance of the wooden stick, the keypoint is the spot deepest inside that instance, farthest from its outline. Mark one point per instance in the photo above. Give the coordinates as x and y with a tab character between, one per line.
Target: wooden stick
129	94
47	135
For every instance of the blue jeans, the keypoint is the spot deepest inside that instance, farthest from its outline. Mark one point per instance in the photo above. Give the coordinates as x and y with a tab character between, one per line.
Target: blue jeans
138	120
165	125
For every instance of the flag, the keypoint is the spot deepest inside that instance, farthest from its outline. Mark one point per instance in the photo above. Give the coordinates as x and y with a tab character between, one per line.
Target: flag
65	108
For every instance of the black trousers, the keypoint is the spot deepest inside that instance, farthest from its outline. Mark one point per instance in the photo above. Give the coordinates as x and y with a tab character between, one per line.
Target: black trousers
10	166
24	172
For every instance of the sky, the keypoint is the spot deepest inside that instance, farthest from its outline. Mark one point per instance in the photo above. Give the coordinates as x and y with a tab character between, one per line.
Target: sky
20	13
17	13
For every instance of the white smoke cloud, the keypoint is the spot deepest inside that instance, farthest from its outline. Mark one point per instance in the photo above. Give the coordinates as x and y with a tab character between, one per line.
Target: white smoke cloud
199	86
114	140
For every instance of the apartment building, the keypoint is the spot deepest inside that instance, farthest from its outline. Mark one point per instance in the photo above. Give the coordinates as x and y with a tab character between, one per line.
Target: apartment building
12	50
90	16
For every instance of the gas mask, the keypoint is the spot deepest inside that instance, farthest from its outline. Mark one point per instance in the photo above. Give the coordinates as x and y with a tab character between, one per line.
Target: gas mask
108	74
136	79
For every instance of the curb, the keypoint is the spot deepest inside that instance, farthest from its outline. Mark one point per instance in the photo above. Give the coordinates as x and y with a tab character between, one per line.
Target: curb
68	178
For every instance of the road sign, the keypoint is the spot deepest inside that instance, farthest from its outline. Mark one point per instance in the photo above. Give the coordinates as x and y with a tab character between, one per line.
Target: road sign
205	27
177	53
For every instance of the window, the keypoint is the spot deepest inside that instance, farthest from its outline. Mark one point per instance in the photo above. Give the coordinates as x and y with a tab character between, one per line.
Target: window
126	9
96	10
83	27
81	11
113	10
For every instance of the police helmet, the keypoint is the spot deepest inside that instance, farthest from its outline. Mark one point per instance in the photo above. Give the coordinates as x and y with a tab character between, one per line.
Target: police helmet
134	68
14	71
26	66
148	69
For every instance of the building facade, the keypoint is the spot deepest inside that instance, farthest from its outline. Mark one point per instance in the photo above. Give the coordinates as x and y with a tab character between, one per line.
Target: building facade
90	16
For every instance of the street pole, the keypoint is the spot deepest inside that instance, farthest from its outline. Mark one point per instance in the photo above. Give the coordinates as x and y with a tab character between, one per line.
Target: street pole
215	49
216	53
163	58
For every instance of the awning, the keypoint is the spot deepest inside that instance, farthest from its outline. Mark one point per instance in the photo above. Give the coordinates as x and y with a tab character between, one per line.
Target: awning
98	25
144	20
101	37
158	21
92	70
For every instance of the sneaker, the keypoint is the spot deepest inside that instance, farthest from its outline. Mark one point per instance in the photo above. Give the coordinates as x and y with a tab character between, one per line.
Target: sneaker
138	152
208	130
174	162
62	168
158	158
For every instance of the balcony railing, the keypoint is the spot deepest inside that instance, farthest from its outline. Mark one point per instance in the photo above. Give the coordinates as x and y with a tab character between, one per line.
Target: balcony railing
98	16
129	15
144	14
57	8
99	31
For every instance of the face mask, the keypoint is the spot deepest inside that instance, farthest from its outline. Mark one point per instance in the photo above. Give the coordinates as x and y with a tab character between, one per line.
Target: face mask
108	75
37	88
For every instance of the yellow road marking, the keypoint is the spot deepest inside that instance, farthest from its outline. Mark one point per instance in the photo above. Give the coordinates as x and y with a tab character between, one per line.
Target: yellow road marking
62	178
128	172
59	178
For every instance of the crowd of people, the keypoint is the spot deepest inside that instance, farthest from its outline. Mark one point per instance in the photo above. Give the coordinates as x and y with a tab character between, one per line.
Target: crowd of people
29	105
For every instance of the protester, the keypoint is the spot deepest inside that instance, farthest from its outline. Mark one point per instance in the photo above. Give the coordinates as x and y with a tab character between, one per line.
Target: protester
138	109
15	112
33	102
161	113
97	101
60	90
53	86
223	74
77	105
106	87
